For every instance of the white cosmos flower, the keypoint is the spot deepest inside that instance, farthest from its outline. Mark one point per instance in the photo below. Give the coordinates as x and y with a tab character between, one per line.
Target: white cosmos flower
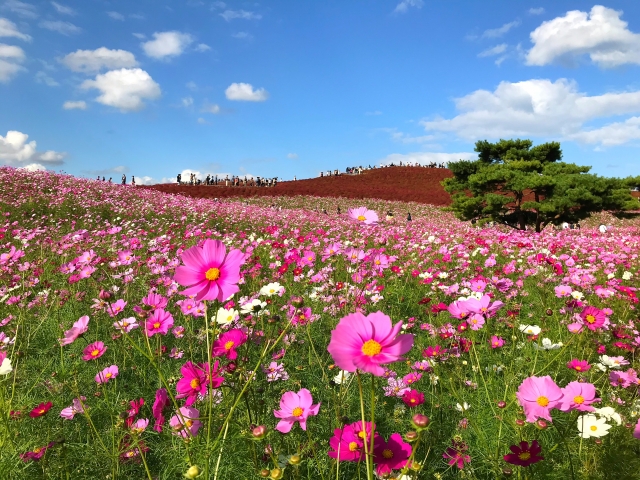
591	426
225	317
341	377
272	289
609	414
530	329
5	367
547	345
577	295
627	275
254	307
463	408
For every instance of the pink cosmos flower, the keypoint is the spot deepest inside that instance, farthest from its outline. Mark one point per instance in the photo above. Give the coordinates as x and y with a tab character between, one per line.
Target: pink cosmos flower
140	425
186	423
346	444
153	301
367	342
636	431
619	379
194	381
456	454
116	307
364	215
578	396
413	398
76	407
538	396
563	291
160	321
126	324
161	402
79	327
209	272
107	374
496	342
226	344
579	365
458	310
93	351
295	407
475	321
391	455
482	306
593	317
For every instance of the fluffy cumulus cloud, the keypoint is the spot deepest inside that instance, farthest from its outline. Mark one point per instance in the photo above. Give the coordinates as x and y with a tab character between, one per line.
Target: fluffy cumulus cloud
541	108
10	58
167	44
17	151
404	5
125	89
425	158
600	34
229	15
75	105
9	29
245	92
92	61
64	28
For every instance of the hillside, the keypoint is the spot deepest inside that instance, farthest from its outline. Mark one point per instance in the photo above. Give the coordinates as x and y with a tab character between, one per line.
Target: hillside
408	184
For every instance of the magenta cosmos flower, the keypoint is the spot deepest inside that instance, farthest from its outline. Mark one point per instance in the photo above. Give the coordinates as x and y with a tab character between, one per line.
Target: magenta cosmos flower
93	350
160	321
364	215
160	403
391	455
538	395
74	332
367	342
295	407
578	396
227	343
524	454
209	271
194	381
593	317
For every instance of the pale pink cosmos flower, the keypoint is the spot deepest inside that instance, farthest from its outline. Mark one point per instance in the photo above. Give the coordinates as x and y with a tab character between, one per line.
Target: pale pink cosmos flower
79	327
140	425
367	342
482	306
209	271
126	324
538	396
475	321
76	407
116	307
186	423
160	322
364	215
578	396
107	374
295	407
563	291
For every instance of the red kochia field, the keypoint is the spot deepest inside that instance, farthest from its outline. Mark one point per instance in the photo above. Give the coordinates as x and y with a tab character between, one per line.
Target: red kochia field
405	184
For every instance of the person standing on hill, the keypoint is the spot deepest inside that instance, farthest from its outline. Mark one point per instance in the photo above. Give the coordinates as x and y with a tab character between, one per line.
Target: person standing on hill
179	179
409	217
124	179
133	180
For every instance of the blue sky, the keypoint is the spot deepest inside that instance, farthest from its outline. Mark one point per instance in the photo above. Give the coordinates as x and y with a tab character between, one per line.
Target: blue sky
282	88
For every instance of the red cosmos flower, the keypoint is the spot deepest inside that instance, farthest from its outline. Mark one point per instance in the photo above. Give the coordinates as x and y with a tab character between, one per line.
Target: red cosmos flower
40	410
413	398
524	454
36	454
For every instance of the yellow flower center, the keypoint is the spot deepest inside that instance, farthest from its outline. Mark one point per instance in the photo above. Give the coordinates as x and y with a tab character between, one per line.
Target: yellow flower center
109	375
578	368
542	401
156	325
188	422
37	450
195	383
212	274
361	218
593	428
362	434
297	412
95	353
386	453
371	348
578	400
524	456
590	319
229	345
353	446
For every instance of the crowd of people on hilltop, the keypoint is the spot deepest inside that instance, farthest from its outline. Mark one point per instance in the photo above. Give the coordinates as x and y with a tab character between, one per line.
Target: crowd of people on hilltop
234	181
122	182
359	169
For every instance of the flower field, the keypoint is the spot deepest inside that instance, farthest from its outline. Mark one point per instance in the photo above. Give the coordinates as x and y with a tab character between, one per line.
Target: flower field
146	335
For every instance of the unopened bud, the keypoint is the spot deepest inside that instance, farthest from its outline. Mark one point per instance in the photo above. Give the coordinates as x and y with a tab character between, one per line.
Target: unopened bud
420	421
104	295
541	424
507	472
259	432
295	459
264	473
192	473
520	422
416	466
502	404
276	474
549	312
297	301
411	436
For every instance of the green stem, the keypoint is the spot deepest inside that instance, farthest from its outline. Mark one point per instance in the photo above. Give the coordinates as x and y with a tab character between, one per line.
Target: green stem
364	429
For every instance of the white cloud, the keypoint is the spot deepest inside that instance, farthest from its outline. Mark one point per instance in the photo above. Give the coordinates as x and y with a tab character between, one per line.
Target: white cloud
63	9
17	152
139	36
538	108
145	180
20	8
229	15
116	16
245	92
218	5
424	158
601	34
75	105
43	77
187	102
292	156
34	167
125	89
536	11
202	47
404	5
9	29
201	121
167	44
211	108
91	61
192	86
616	133
10	58
242	35
497	50
406	138
65	28
498	32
